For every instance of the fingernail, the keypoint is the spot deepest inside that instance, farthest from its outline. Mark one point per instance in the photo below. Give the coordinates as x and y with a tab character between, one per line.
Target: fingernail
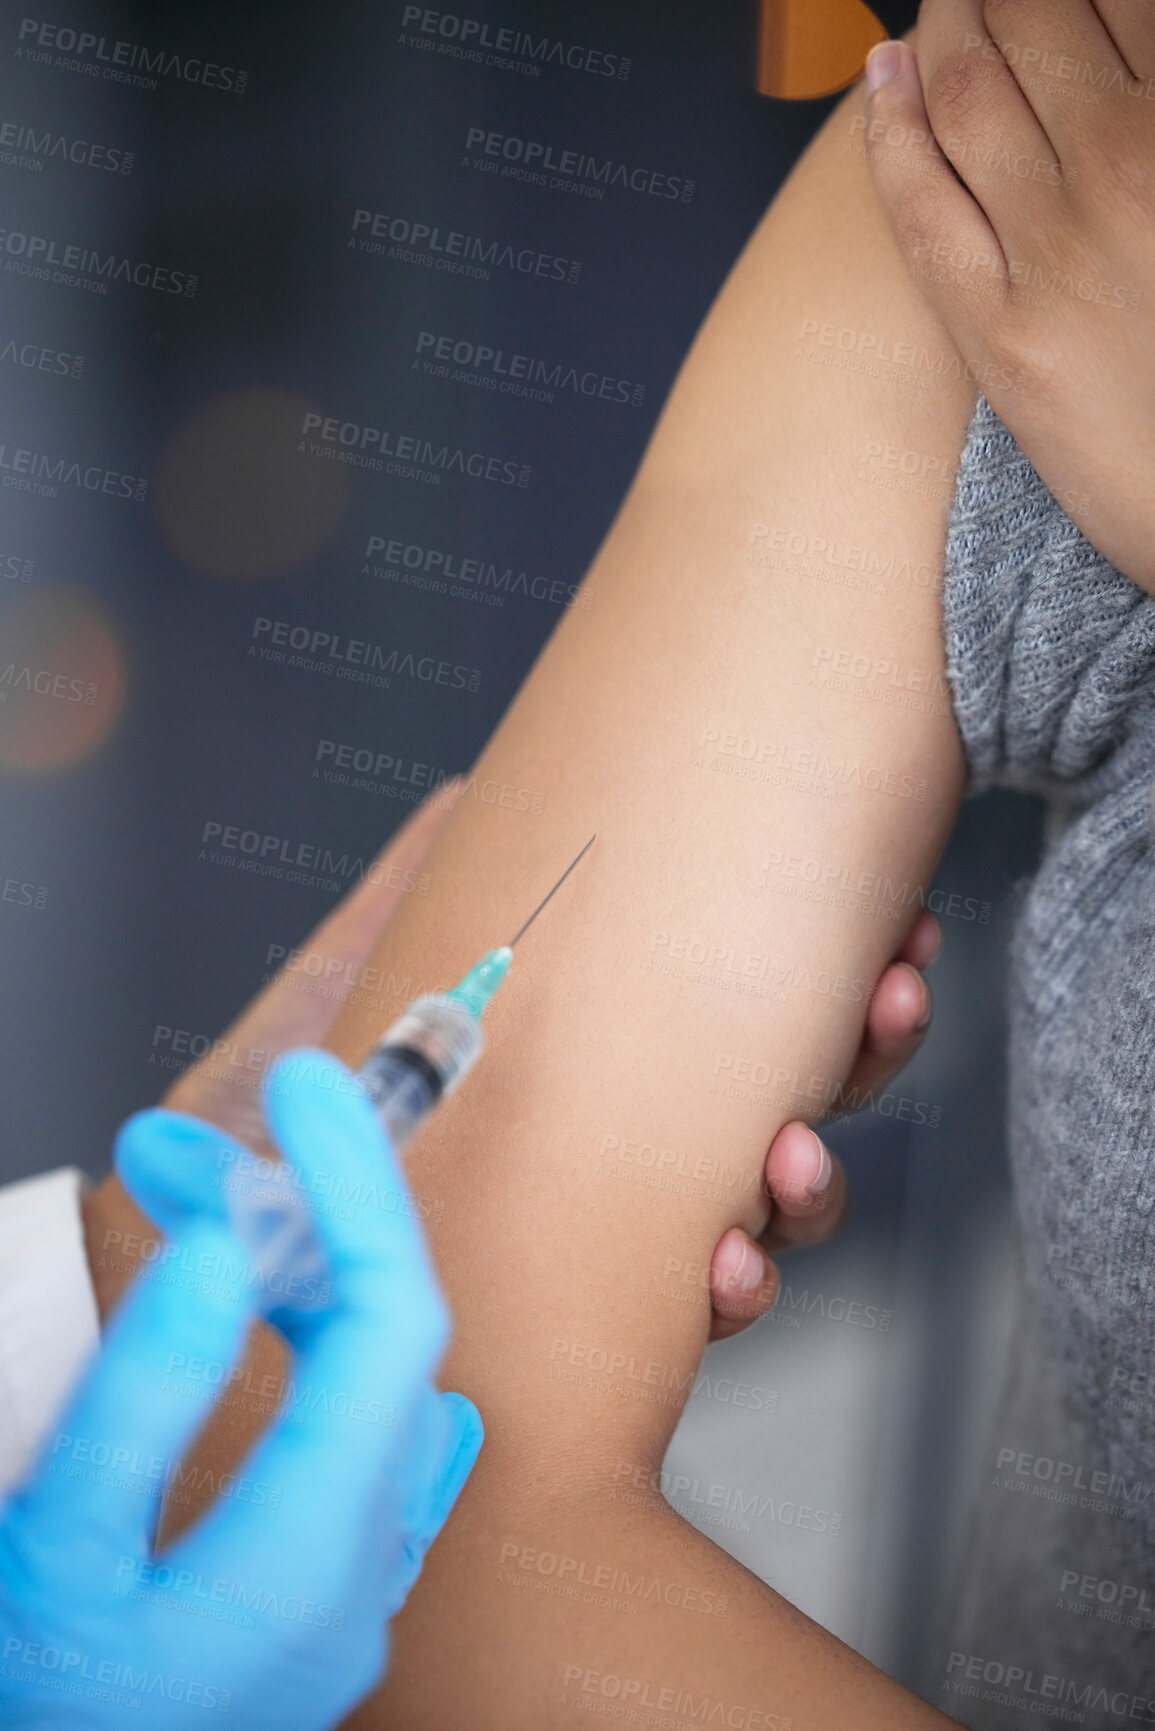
882	63
924	1014
823	1170
748	1274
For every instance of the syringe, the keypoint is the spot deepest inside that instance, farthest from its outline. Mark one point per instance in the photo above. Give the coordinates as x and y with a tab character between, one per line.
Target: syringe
434	1044
418	1062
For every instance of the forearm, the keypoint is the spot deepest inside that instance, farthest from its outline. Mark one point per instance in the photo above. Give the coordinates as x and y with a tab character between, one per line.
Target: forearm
554	1266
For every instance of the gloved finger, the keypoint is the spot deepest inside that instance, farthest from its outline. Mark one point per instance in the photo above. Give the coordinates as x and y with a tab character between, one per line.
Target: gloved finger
743	1284
896	1024
220	1087
465	1434
331	1137
423	1437
362	1362
451	1462
385	1563
95	1495
175	1166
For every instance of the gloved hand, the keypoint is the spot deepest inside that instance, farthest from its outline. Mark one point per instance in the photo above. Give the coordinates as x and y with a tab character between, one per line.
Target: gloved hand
273	1608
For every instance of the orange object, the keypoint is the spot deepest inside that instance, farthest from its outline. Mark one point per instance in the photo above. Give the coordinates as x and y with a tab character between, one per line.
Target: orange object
809	48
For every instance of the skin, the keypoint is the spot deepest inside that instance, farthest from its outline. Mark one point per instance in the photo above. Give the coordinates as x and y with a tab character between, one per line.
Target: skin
801	1210
1043	270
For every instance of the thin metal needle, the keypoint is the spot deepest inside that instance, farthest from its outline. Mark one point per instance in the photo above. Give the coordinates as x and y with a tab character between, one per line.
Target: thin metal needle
555	889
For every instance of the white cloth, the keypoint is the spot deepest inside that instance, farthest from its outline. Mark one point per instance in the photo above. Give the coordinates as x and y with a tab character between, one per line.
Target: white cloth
48	1319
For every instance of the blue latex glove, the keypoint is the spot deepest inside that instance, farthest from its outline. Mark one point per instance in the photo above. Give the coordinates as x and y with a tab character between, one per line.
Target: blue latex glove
274	1607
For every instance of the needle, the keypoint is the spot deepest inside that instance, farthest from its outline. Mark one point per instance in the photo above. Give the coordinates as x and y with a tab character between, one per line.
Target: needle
554	890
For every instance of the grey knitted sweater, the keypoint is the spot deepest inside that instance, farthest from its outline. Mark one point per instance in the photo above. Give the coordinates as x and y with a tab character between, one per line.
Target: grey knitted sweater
1051	658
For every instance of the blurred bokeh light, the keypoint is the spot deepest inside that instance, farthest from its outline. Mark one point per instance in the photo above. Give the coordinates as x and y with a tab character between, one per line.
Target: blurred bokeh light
234	497
62	679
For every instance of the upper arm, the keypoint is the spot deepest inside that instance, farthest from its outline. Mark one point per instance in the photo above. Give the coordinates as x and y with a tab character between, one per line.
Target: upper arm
753	716
757	799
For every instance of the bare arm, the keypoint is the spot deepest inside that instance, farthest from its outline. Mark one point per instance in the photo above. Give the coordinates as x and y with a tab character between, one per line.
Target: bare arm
710	648
674	717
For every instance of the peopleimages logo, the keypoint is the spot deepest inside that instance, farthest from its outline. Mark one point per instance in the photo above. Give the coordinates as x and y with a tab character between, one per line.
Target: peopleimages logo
531	160
523	1561
450	249
82	266
450	572
36	358
352	657
582	1686
120	61
515	50
72	1667
1011	1684
386	451
312	864
25	147
517	374
46	683
38	472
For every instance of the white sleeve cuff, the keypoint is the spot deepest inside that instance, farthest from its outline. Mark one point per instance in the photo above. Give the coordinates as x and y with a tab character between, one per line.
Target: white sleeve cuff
49	1325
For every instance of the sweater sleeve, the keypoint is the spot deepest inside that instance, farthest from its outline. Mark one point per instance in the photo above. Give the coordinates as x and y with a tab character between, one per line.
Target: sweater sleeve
1050	649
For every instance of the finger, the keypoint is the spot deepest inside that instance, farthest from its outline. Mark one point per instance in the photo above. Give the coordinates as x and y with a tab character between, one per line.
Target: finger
923	943
1132	30
943	234
458	1447
97	1491
1053	49
743	1284
983	119
807	1186
896	1023
172	1165
301	1003
899	1011
364	1362
262	1200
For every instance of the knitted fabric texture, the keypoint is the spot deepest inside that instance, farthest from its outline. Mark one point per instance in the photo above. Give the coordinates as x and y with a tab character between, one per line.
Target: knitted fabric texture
1051	662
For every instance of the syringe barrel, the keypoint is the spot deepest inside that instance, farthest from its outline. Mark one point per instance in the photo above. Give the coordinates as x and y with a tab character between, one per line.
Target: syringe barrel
267	1209
420	1059
425	1054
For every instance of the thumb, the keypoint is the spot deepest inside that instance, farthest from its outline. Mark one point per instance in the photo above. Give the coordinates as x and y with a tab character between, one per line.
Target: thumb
464	1433
176	1167
943	234
454	1454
